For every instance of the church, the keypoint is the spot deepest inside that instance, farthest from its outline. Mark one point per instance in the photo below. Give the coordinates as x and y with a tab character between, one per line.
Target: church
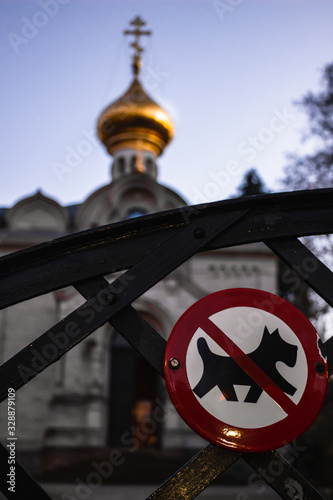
100	395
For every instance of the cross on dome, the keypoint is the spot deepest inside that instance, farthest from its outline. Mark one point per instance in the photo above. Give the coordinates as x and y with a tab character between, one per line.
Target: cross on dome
137	32
135	122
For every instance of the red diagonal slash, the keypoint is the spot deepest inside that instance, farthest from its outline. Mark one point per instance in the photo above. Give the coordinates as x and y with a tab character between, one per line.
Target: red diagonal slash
251	368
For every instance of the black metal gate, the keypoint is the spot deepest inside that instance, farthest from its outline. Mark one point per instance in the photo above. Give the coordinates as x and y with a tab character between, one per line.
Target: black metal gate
148	249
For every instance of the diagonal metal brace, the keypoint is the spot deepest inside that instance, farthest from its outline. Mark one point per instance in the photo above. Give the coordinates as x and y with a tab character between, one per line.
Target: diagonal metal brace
196	474
281	476
210	462
97	310
298	257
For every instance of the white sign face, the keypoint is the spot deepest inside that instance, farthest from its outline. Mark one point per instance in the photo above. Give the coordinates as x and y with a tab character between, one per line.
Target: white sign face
245	326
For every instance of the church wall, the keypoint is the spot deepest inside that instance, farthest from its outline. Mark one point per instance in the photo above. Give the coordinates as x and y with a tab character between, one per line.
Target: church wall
18	328
249	266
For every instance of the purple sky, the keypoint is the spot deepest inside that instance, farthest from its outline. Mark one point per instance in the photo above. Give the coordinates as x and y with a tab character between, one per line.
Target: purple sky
227	71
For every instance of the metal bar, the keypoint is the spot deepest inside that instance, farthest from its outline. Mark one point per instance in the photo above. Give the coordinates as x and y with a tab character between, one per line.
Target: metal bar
25	486
192	476
97	310
272	467
182	233
188	481
308	267
151	345
196	474
130	324
281	476
101	251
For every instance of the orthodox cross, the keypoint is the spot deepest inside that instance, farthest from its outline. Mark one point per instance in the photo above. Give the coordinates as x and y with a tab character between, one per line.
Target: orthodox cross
137	32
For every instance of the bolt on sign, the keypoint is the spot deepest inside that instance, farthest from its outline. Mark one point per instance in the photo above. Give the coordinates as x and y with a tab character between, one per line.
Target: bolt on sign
245	370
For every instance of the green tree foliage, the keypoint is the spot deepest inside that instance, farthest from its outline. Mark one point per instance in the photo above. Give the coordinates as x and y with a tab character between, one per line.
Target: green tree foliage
311	171
315	170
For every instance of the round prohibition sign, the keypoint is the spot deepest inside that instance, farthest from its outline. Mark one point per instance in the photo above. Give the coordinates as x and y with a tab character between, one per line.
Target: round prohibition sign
244	369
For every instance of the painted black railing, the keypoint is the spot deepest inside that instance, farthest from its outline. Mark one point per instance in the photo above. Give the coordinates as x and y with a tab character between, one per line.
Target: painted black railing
148	249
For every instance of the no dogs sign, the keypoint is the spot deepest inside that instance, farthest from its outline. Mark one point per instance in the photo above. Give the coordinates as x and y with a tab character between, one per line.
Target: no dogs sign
244	369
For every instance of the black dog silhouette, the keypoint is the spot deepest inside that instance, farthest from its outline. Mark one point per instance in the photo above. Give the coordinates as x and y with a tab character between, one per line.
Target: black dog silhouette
224	372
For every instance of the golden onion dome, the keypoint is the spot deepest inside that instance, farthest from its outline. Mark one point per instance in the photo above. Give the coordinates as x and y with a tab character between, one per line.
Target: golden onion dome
135	121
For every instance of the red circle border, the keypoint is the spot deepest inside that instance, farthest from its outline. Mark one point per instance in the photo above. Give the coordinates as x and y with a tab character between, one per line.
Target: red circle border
205	424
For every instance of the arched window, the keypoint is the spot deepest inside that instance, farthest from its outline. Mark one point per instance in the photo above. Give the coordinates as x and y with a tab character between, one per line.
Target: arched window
149	165
134	395
121	165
